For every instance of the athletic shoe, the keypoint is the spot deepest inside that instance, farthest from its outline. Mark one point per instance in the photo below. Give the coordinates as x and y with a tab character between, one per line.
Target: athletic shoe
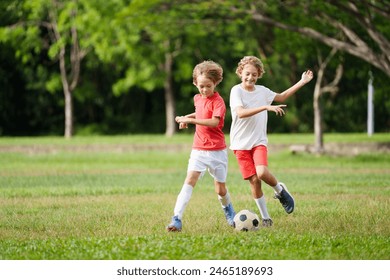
229	214
285	199
175	224
267	222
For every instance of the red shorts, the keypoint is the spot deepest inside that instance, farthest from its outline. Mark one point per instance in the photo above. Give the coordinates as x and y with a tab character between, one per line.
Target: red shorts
249	159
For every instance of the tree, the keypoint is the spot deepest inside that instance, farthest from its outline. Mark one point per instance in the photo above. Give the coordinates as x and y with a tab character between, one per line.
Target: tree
140	56
363	34
358	28
52	26
167	30
150	51
319	90
168	89
59	36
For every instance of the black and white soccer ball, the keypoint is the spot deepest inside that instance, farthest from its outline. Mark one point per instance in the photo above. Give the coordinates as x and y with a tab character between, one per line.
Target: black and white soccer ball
246	220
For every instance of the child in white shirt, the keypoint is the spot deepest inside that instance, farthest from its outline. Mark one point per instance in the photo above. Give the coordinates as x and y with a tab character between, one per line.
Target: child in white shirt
249	104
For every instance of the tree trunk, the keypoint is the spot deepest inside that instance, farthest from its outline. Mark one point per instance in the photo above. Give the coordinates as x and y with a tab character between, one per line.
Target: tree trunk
69	80
68	96
319	90
318	133
68	114
169	97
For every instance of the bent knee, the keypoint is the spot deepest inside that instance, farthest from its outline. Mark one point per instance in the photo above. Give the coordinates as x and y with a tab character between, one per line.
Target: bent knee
192	178
261	171
254	180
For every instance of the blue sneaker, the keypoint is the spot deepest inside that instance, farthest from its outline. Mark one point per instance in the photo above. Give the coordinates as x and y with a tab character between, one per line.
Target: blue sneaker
175	224
229	214
285	199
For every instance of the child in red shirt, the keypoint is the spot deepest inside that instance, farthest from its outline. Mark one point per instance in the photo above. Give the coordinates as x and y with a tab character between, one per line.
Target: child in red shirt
209	150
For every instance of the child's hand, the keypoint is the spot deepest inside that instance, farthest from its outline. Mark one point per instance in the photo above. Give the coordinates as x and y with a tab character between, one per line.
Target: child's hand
278	109
307	76
183	125
177	119
182	122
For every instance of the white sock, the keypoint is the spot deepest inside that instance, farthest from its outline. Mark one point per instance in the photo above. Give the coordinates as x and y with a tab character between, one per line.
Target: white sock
261	204
182	200
225	200
278	188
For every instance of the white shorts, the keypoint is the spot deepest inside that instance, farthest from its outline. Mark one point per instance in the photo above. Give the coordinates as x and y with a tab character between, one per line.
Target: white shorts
215	162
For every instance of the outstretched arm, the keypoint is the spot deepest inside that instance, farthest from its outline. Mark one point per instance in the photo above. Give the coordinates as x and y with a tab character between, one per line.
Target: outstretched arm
189	119
245	113
307	76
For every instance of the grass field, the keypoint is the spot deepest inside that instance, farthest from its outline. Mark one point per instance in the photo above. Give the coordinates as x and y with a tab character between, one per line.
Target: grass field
103	198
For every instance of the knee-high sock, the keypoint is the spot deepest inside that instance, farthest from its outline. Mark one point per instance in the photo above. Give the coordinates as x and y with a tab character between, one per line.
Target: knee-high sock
182	200
278	188
224	200
261	204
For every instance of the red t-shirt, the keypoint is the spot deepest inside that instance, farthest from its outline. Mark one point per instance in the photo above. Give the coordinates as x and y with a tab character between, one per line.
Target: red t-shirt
209	138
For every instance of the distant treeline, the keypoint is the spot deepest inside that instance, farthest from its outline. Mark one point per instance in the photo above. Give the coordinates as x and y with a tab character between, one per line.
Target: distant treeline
131	55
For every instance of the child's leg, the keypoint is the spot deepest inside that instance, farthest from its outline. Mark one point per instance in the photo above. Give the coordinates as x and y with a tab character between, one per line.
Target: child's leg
247	161
265	175
222	192
217	166
195	169
260	158
224	199
255	184
280	189
258	196
182	200
186	192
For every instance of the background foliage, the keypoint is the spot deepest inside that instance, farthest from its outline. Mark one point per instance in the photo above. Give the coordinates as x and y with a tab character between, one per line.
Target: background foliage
121	87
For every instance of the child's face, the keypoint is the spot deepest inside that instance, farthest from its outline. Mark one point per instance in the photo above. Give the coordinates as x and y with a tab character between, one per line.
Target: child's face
205	86
249	76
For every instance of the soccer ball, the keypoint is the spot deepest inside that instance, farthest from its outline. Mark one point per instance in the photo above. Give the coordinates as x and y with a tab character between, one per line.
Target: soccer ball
246	220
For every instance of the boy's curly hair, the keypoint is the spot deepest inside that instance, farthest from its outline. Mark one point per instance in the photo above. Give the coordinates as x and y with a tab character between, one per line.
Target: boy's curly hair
210	69
253	60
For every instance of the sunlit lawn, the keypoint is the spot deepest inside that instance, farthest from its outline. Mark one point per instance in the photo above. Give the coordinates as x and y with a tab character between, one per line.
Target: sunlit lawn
97	198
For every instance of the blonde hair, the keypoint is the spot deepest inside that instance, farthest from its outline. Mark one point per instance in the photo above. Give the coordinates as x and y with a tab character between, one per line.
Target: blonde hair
210	69
253	60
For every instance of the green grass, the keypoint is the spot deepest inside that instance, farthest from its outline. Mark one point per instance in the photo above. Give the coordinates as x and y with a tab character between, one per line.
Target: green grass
96	198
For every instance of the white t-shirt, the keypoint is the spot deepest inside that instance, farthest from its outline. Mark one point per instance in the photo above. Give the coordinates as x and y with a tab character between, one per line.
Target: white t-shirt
246	133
